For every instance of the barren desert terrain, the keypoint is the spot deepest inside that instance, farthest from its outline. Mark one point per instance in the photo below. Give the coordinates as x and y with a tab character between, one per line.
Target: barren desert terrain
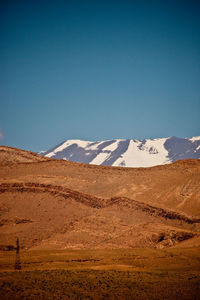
119	231
54	204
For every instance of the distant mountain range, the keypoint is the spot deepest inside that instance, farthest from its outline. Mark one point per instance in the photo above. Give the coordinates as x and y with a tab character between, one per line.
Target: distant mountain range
127	152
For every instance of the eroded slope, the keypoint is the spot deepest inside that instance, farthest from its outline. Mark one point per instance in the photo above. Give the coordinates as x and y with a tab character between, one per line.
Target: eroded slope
58	204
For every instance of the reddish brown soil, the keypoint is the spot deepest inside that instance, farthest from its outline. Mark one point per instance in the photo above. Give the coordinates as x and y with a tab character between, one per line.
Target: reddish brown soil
58	204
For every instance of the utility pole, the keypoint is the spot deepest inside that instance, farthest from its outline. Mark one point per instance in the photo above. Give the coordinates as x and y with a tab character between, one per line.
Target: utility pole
17	260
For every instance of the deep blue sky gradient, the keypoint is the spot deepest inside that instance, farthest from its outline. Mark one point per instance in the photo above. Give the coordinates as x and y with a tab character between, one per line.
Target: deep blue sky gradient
98	70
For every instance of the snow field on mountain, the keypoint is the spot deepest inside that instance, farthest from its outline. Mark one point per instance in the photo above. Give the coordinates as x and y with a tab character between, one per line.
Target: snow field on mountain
105	154
127	152
195	138
67	144
152	153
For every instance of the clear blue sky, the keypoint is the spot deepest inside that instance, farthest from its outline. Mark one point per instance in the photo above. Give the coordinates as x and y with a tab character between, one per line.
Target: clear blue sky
98	70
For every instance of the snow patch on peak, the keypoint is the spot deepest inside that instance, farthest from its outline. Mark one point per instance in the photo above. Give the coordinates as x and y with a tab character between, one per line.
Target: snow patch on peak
66	144
93	146
154	153
105	153
80	143
113	146
195	138
41	152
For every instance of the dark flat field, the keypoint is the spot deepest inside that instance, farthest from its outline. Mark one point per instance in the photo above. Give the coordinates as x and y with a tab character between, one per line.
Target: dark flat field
172	273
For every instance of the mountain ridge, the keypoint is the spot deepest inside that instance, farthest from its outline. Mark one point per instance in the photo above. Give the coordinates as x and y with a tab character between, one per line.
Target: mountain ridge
127	152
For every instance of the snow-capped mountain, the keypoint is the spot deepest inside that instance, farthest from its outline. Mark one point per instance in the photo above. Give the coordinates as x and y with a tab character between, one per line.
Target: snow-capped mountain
128	152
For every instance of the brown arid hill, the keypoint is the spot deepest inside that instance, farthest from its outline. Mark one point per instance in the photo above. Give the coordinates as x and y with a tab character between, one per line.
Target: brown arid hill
9	155
55	204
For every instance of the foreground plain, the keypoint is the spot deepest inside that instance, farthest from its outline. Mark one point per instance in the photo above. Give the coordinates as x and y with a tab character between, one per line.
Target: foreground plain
102	274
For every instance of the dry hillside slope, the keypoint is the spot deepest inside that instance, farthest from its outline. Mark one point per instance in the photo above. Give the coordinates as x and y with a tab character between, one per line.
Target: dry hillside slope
9	155
58	204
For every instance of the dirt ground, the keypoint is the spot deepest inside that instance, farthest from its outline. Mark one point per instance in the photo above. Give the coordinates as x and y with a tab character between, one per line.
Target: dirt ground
137	230
172	273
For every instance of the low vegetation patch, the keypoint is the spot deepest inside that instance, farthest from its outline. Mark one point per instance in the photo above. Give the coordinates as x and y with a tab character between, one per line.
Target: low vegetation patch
102	274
